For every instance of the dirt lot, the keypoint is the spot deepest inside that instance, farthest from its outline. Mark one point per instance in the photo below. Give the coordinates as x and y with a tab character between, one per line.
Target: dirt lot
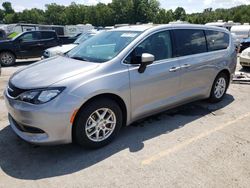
196	145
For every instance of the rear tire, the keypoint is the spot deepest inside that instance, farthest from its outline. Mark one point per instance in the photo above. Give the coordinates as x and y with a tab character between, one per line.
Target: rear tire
219	88
7	59
97	123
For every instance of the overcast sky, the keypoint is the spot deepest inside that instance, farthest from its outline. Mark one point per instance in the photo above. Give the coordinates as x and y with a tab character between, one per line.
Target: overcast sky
189	5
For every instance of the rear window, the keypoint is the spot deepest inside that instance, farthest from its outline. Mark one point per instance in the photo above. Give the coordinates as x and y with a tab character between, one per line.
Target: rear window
190	41
47	35
217	40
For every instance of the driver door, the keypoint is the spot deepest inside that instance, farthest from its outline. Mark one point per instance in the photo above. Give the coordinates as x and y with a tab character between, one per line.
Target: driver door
159	86
29	45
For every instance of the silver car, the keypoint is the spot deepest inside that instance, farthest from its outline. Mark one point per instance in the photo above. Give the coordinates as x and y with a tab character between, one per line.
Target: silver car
60	50
116	78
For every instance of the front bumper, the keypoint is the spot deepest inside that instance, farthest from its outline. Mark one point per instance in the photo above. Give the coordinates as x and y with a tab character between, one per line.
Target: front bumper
244	61
39	124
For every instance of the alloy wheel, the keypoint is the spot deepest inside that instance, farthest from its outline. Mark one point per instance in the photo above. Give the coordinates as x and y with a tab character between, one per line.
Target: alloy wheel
100	124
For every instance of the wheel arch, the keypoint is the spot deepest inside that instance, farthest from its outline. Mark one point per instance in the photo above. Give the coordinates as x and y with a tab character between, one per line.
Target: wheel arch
10	51
226	72
111	96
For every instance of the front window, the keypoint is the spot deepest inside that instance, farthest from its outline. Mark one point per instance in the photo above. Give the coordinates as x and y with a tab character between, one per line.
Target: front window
159	45
28	37
104	46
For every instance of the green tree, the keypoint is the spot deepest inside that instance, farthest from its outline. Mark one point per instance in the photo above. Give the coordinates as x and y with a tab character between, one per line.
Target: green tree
75	14
104	15
118	12
55	14
164	17
35	16
180	14
123	11
1	15
8	8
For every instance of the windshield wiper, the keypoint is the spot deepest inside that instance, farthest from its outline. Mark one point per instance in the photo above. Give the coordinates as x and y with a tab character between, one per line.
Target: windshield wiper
79	58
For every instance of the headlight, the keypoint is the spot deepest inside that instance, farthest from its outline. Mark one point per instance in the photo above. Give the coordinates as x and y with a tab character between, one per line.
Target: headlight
245	53
46	54
40	96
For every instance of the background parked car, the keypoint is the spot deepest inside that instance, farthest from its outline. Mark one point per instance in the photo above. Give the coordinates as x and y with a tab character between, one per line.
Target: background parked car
29	44
245	43
59	50
245	58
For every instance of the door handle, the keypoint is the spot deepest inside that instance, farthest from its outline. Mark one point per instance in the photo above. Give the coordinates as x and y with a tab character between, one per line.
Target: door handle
174	69
186	66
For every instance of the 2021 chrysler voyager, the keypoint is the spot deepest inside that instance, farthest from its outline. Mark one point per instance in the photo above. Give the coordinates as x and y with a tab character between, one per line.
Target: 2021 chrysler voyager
116	78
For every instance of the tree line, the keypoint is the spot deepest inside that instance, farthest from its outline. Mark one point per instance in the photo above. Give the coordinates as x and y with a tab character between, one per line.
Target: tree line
118	12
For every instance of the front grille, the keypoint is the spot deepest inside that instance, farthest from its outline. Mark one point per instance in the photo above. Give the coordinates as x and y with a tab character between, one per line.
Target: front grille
27	129
14	91
245	63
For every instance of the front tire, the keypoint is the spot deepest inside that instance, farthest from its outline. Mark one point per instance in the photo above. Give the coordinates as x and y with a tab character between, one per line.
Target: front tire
219	88
97	123
7	59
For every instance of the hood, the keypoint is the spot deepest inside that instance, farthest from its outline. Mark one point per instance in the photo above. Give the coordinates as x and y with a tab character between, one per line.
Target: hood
245	53
50	71
61	49
5	41
247	50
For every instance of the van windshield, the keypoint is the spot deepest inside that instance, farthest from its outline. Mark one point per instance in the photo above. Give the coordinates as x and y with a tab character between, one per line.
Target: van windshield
83	37
104	46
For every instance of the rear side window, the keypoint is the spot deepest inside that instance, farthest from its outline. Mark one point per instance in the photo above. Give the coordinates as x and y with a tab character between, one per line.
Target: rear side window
217	40
47	35
189	42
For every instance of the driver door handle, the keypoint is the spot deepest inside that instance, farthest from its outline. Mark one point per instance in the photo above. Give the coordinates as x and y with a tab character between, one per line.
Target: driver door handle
40	44
174	69
186	66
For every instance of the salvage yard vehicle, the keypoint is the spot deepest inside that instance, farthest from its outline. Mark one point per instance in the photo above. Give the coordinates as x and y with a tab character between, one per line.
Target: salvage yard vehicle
245	58
241	31
117	77
245	43
30	44
60	50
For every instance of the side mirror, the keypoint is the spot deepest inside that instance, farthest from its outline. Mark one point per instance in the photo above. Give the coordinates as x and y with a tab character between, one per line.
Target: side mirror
20	40
146	59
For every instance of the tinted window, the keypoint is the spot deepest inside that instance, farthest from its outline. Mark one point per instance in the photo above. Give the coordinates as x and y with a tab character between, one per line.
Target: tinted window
190	41
217	40
158	45
30	36
47	35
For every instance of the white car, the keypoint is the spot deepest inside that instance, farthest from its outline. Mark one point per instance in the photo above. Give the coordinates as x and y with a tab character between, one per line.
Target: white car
59	50
245	58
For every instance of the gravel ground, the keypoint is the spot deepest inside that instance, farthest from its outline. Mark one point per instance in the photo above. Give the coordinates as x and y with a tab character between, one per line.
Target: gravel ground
196	145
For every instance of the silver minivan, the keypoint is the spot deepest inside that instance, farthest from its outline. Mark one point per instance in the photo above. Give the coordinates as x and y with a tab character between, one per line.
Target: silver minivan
116	78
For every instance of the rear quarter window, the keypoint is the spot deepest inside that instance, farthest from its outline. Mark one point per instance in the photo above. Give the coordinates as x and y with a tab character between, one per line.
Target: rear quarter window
47	35
190	41
217	40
